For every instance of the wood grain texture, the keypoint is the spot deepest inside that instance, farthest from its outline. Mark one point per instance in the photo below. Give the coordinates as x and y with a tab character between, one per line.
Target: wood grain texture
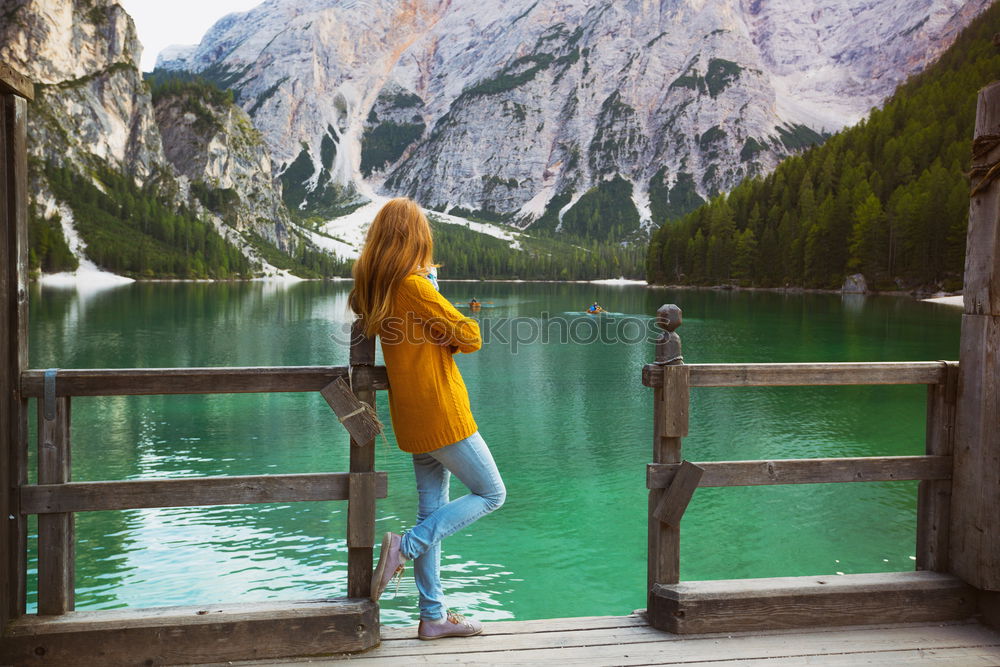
934	496
797	602
674	502
350	411
13	82
362	460
361	510
981	292
806	374
211	380
14	348
676	401
56	538
961	644
193	492
808	471
186	635
974	539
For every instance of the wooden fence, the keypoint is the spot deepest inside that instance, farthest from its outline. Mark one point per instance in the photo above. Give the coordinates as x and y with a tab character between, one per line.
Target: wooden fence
276	629
672	483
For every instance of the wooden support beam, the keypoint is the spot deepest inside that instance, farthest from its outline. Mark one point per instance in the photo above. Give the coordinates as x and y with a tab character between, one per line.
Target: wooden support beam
190	492
934	496
211	380
673	503
193	635
56	537
739	605
808	471
361	508
670	424
974	545
13	82
351	412
13	341
806	374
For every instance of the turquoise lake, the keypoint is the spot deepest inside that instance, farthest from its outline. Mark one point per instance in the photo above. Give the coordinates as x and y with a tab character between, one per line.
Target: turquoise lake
565	414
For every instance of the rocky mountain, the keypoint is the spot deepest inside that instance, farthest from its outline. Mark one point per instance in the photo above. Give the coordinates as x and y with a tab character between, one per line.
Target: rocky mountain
592	116
107	193
213	143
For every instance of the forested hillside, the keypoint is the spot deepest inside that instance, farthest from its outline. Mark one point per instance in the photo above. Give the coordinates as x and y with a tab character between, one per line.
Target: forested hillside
887	198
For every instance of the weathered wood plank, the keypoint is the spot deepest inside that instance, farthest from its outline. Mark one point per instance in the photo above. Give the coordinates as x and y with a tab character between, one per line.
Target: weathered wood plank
974	548
350	411
981	291
934	496
361	510
636	648
184	635
362	505
676	401
14	348
497	628
808	471
13	82
974	551
210	380
664	541
56	538
788	602
805	374
193	492
682	487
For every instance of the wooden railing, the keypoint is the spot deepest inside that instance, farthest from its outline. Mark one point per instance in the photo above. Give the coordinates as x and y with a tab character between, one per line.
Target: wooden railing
672	481
56	498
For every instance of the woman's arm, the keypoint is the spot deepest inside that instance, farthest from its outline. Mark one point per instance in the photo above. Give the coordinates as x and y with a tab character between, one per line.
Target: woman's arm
442	321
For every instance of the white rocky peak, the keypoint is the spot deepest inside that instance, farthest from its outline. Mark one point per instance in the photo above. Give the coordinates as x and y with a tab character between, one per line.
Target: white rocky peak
522	101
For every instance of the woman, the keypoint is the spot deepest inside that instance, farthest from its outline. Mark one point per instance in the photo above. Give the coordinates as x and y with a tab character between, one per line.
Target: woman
420	331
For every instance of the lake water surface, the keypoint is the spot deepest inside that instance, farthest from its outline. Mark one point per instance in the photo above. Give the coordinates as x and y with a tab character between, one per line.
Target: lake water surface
565	414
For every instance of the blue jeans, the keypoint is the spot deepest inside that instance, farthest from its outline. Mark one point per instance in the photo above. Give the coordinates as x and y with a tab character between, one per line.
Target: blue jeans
470	460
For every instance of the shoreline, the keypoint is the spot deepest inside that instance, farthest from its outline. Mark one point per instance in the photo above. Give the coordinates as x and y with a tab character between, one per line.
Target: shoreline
63	281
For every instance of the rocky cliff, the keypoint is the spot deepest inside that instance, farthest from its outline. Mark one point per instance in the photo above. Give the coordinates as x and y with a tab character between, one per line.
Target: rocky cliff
522	110
106	190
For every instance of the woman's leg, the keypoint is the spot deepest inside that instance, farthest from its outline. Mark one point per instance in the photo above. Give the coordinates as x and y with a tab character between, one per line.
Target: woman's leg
432	493
469	460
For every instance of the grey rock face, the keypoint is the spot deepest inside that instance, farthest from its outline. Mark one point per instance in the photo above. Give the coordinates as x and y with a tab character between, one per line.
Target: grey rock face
530	103
216	146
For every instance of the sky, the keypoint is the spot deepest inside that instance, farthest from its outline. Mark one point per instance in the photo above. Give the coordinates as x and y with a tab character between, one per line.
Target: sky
161	24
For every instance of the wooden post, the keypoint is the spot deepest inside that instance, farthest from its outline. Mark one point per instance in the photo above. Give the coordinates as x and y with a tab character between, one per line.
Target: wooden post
975	507
670	424
15	91
934	496
56	563
361	503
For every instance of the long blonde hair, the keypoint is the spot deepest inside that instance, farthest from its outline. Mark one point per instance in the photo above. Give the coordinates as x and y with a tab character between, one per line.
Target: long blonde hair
398	243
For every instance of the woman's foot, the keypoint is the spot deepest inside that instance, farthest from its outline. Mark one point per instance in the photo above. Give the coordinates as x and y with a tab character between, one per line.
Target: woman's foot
452	625
390	564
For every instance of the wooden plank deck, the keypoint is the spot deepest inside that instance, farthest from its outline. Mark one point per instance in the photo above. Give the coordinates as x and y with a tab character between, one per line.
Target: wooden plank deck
627	640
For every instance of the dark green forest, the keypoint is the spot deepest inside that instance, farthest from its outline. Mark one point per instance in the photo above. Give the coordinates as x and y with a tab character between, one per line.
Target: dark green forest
464	253
887	198
134	231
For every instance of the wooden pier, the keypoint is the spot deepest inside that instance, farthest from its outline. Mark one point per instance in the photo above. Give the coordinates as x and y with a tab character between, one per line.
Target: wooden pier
944	612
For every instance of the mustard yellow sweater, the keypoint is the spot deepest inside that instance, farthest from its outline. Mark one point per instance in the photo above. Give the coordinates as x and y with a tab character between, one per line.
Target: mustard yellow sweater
428	401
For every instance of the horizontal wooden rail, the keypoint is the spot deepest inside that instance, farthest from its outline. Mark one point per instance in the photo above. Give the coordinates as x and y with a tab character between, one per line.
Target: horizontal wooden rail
193	492
807	471
210	380
778	375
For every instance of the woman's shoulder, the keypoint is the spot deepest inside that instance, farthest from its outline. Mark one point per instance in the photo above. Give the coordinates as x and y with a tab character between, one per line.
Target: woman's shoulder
417	285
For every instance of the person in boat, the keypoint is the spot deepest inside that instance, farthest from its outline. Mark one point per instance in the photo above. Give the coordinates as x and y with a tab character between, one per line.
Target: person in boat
594	308
420	332
474	303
